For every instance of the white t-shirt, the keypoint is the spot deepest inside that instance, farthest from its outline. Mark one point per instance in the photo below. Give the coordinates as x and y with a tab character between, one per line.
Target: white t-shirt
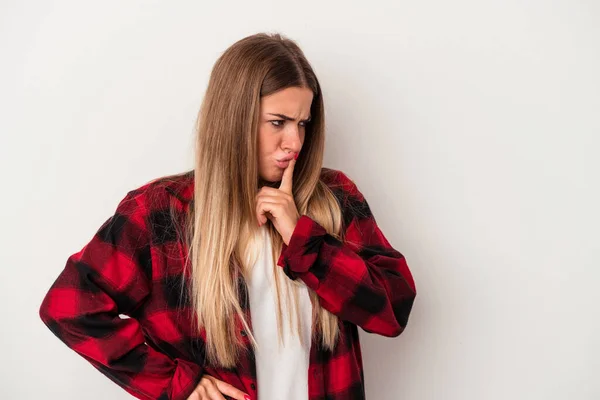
282	372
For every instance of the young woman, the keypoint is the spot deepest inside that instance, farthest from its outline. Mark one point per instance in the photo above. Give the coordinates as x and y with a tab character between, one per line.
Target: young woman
246	277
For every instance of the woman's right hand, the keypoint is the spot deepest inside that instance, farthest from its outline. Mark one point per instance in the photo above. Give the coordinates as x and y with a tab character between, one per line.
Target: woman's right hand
211	388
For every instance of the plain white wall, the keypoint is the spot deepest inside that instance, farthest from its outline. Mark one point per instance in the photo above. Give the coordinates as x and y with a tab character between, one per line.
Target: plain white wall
471	127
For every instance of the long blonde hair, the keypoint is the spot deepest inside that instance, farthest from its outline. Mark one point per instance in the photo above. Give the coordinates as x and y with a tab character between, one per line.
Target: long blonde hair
221	227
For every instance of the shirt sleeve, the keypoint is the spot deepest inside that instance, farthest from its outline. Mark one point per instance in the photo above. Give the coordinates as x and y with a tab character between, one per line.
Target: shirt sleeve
110	276
363	280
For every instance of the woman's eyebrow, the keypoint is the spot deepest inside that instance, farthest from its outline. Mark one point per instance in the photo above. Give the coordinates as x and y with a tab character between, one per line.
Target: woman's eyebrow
282	116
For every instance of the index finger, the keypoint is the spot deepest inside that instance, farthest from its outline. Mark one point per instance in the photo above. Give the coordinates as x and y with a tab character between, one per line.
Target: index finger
286	180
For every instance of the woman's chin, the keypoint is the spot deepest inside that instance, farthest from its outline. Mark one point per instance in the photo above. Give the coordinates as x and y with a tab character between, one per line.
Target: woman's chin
271	180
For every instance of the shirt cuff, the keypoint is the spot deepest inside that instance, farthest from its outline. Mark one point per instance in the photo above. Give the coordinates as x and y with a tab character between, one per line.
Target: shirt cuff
300	254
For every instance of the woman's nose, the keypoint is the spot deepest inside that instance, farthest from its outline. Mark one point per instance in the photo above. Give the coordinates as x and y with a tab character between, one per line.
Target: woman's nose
293	140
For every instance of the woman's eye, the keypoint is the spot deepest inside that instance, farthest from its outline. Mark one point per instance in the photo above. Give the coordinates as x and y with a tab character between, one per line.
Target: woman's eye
280	122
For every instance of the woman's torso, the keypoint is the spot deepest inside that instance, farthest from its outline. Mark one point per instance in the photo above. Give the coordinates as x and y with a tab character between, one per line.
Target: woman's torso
166	319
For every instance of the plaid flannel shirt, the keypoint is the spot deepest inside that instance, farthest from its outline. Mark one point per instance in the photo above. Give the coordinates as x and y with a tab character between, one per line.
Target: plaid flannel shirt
118	301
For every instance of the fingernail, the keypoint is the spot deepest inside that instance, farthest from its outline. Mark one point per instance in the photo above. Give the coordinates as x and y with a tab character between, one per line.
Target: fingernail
296	156
246	397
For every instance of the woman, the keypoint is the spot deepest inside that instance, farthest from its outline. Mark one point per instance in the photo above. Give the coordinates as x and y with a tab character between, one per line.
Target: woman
248	276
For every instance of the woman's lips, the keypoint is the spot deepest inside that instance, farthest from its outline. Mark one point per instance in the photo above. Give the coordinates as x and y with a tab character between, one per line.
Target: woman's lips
282	164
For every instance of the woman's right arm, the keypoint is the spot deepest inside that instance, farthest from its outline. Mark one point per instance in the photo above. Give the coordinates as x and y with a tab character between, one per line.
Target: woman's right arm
109	277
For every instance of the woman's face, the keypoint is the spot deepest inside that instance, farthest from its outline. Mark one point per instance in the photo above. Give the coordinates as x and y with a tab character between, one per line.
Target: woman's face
283	117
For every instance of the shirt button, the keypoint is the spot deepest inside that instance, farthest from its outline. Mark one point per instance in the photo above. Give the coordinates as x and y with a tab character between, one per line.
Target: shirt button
253	386
243	333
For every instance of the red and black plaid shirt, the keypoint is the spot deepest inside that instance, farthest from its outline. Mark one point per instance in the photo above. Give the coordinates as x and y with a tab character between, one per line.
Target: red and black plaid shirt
133	266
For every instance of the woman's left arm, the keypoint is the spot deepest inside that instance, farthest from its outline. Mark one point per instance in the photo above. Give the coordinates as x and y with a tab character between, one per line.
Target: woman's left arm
363	280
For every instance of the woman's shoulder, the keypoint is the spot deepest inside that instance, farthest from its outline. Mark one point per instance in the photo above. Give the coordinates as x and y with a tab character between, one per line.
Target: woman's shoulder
340	183
160	191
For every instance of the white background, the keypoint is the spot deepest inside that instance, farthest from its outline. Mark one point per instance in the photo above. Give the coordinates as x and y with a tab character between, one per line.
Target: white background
472	128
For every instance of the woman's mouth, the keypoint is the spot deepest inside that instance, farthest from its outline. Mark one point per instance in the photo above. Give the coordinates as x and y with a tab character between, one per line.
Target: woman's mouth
282	164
